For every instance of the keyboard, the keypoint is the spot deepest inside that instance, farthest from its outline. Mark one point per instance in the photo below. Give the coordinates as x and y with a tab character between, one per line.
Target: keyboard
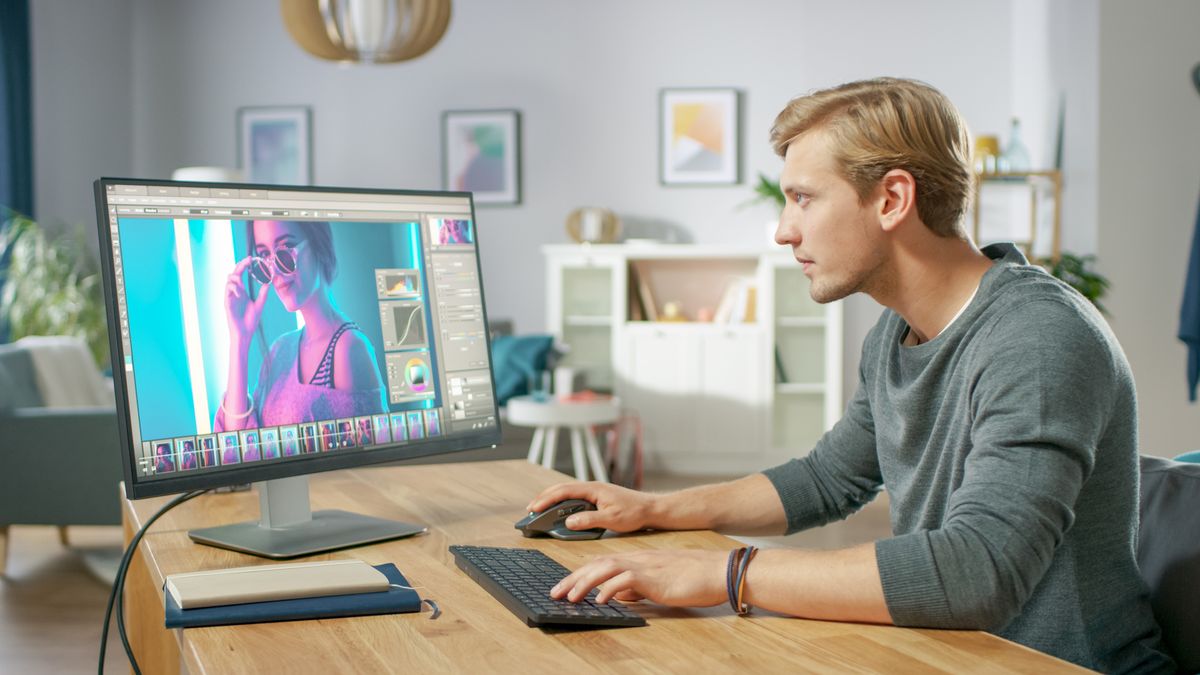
521	579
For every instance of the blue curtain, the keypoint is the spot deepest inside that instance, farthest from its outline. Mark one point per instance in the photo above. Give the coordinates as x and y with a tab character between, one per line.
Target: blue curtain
16	127
1189	313
16	108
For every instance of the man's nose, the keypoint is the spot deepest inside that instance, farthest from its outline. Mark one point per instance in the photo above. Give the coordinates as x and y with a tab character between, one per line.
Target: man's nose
786	232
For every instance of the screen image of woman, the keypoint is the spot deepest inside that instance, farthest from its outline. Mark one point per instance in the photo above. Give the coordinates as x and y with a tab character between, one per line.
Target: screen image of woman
326	369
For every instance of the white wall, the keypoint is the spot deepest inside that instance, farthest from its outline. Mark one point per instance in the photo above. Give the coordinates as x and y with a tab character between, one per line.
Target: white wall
1149	174
586	77
1074	74
82	89
144	86
1054	60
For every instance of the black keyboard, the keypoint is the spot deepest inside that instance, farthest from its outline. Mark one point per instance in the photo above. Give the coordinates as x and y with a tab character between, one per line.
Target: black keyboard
521	579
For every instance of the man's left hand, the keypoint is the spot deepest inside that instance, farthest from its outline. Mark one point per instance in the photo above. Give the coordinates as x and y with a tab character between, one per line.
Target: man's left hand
687	578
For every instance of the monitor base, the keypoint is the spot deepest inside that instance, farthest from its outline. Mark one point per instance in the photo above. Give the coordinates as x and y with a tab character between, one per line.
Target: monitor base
328	530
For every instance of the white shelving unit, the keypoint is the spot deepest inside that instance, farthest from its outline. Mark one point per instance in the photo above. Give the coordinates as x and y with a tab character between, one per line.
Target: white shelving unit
710	395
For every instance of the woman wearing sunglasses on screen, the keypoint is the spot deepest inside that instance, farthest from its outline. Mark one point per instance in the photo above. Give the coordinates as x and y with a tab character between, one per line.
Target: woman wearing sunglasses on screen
324	370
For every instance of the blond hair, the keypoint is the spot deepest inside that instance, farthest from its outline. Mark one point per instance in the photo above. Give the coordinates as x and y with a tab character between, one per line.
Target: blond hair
888	123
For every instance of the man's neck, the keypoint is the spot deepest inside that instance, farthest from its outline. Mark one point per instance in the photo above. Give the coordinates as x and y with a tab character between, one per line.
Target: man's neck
931	281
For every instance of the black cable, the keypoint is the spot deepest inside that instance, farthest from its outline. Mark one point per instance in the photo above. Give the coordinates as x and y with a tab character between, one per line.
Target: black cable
117	595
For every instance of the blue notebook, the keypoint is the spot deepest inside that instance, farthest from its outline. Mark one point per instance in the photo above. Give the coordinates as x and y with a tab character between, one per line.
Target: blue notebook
392	601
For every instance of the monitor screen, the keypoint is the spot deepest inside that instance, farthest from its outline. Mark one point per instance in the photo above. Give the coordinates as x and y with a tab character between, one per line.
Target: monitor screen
262	332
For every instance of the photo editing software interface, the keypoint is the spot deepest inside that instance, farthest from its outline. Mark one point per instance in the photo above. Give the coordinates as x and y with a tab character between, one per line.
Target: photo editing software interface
389	284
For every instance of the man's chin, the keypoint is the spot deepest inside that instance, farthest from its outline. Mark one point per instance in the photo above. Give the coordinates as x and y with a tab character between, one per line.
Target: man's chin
826	293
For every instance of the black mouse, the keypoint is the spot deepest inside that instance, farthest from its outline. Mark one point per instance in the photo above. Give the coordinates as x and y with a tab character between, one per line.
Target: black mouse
552	522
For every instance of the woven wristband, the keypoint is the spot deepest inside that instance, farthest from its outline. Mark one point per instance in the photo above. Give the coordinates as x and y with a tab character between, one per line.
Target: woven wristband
730	583
741	608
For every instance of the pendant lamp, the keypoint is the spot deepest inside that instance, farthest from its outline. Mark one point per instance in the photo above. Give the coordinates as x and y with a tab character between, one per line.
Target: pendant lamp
366	31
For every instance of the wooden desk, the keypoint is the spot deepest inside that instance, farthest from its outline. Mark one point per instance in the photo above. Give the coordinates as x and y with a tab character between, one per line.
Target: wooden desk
477	504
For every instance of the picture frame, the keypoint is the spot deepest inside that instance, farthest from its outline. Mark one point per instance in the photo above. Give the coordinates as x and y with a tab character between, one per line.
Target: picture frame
275	144
481	154
699	136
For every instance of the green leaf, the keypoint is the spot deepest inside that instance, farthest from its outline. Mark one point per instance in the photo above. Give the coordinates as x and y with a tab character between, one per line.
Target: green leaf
766	190
1077	272
52	286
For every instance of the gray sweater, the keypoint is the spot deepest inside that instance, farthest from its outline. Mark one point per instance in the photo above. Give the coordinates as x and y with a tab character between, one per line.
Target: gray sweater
1008	446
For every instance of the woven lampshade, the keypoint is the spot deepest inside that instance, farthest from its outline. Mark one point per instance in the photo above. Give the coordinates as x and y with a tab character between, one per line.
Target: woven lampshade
370	31
593	225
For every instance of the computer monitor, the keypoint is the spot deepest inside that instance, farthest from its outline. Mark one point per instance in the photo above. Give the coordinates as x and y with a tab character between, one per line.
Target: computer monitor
262	333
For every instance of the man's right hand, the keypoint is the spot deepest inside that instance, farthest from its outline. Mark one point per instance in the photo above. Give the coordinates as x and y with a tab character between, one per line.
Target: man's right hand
618	509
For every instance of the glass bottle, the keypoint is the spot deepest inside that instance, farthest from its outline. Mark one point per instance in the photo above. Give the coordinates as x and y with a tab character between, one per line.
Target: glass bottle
1016	156
987	152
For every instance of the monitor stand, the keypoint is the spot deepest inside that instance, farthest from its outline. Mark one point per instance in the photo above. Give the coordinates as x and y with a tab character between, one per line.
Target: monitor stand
290	528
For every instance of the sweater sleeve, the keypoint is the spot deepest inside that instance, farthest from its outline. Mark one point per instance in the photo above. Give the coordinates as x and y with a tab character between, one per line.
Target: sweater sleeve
1041	394
841	474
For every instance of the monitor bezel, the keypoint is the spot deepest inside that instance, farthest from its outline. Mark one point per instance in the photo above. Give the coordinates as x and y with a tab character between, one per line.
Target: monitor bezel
319	463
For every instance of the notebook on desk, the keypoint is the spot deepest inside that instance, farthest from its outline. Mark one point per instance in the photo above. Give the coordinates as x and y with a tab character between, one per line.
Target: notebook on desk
392	601
264	583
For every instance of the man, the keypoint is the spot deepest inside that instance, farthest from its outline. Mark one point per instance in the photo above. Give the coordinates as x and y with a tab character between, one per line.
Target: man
993	403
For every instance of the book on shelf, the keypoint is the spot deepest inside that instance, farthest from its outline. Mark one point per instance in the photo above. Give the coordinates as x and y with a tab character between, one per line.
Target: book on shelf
738	303
647	297
634	297
751	313
725	306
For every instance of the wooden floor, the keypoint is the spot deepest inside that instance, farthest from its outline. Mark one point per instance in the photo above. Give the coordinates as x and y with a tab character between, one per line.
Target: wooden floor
52	606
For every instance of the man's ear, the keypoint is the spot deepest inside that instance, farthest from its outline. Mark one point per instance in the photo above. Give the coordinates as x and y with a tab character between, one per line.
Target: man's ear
898	198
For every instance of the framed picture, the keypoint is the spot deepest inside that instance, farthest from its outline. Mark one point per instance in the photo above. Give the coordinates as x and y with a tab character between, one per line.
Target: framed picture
699	137
481	153
274	144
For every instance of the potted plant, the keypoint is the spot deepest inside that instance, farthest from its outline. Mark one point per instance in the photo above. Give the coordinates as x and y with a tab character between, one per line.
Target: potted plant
1078	273
51	286
767	190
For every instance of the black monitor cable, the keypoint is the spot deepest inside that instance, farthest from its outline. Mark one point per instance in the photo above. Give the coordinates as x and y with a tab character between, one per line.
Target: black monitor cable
118	590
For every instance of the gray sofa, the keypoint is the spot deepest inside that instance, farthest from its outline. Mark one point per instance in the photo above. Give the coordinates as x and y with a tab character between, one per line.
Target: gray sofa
57	466
1168	553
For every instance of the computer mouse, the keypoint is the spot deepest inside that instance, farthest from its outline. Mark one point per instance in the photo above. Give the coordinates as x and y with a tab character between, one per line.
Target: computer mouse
552	522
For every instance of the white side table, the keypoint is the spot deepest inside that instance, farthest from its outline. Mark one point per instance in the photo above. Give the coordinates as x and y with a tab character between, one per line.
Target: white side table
578	417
